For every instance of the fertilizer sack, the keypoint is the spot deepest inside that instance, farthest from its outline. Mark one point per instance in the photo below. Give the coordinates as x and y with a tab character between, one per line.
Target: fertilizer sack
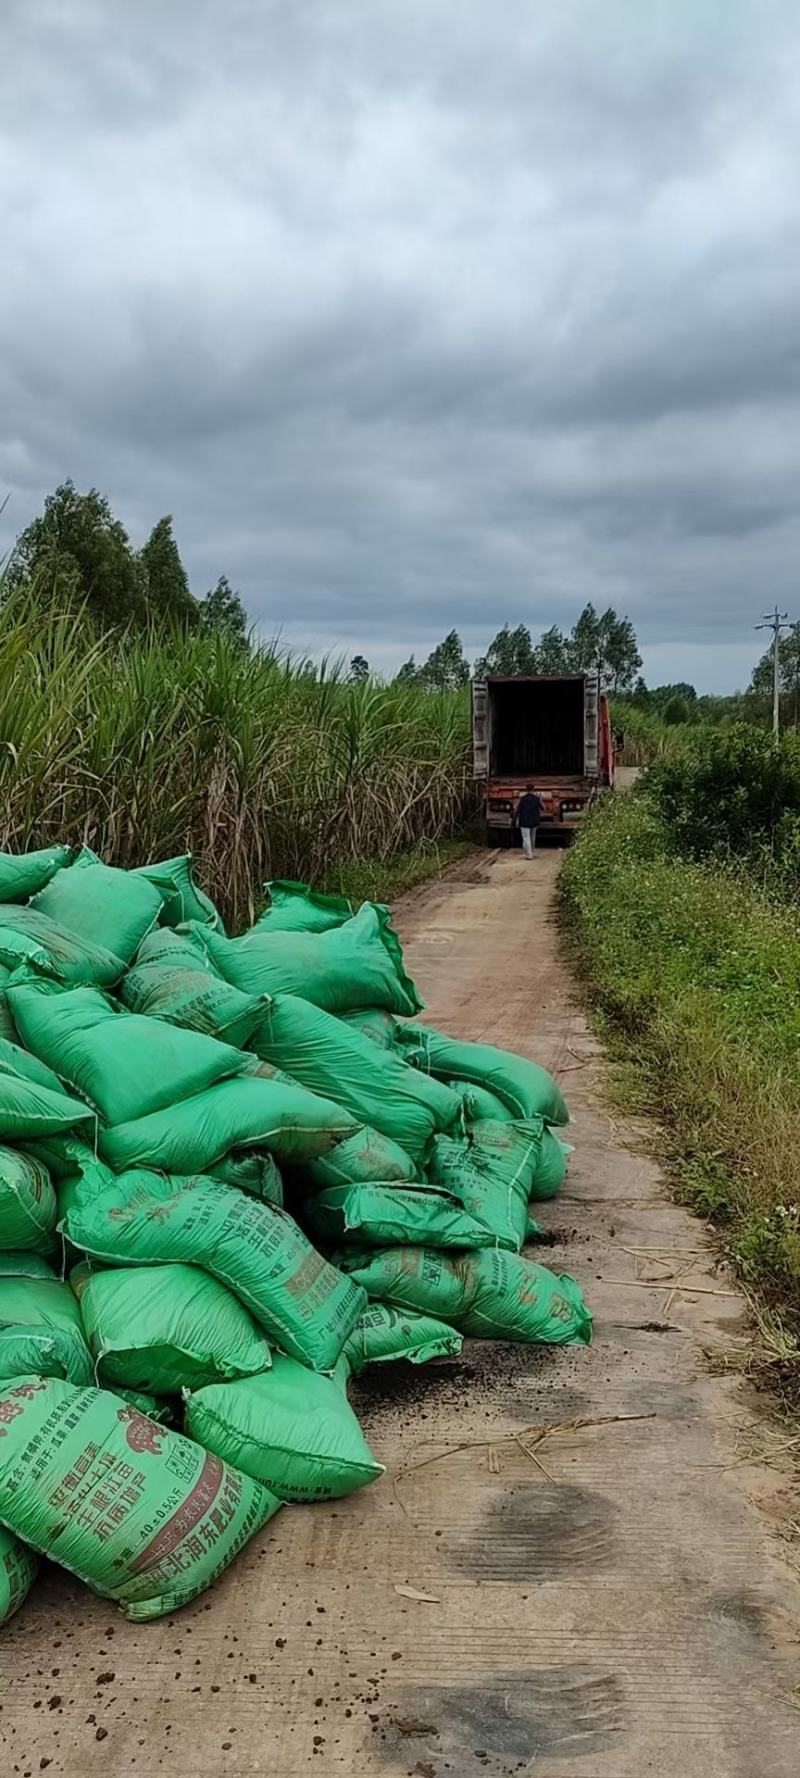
294	907
23	874
28	935
491	1295
111	907
391	1215
247	1112
65	1156
41	1330
28	1203
18	1570
357	964
182	899
141	1514
373	1023
525	1088
551	1167
359	1159
162	1408
125	1065
8	1029
15	1060
383	1335
166	1328
492	1171
29	1109
251	1170
479	1103
172	979
374	1085
290	1429
303	1303
25	1265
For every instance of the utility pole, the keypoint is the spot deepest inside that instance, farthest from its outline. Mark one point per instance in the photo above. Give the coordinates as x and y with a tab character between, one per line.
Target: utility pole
775	621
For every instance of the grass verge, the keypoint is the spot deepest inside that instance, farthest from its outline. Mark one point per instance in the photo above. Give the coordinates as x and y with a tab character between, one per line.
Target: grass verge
383	879
695	978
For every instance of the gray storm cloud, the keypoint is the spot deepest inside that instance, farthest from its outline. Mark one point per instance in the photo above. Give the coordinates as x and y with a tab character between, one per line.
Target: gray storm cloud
416	315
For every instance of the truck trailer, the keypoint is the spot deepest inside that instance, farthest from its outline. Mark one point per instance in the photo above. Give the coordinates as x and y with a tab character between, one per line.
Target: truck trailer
548	730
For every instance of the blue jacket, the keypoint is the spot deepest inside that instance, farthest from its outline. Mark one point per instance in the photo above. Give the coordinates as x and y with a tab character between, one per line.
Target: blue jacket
529	810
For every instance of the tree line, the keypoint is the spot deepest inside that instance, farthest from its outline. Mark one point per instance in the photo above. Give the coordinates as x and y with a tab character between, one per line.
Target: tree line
598	643
77	552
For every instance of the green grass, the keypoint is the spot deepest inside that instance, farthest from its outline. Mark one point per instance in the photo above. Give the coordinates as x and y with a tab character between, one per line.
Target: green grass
695	976
384	879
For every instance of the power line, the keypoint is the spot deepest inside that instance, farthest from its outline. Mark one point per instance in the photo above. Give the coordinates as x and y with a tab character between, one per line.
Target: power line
776	621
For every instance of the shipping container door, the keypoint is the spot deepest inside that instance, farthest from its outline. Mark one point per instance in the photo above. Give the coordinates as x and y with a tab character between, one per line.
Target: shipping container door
591	743
480	727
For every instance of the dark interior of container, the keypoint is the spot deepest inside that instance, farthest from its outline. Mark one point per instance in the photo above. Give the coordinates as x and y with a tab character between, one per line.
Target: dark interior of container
537	728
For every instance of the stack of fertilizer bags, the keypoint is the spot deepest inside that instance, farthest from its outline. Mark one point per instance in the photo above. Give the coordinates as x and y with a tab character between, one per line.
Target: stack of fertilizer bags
234	1173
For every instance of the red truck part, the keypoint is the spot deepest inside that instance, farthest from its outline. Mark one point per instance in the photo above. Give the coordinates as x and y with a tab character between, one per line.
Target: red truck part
552	731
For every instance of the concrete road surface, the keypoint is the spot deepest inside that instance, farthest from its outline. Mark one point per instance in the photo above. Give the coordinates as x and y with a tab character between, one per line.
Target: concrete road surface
615	1603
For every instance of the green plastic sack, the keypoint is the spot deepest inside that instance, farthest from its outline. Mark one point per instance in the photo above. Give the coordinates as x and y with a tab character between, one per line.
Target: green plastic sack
15	1060
8	1029
491	1171
383	1336
28	935
479	1103
157	1407
391	1215
294	907
290	1429
139	1513
491	1295
373	1023
527	1089
28	1203
251	1170
65	1155
182	899
244	1113
551	1167
172	979
357	964
23	874
166	1328
28	1109
359	1159
26	1265
125	1065
19	1567
111	907
375	1086
40	1330
302	1302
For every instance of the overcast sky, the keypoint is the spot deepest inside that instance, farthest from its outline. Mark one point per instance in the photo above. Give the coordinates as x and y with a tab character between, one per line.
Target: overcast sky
417	313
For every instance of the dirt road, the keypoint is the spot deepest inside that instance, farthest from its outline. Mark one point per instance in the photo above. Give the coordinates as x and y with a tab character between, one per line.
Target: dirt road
614	1606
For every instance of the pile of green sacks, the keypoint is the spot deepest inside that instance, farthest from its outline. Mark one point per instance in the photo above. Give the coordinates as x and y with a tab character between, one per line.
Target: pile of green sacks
235	1172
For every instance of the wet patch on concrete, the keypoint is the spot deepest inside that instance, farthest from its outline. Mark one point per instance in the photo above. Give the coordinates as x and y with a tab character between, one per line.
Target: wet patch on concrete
529	1531
506	1724
743	1609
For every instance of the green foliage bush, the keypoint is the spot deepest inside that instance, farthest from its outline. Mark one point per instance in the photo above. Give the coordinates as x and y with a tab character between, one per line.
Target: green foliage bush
696	976
732	791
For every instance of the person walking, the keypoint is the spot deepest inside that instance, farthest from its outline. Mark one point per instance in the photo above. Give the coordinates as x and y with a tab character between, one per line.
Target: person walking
528	816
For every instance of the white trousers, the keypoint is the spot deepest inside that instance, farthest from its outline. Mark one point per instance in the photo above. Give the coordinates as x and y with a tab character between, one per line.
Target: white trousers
528	840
